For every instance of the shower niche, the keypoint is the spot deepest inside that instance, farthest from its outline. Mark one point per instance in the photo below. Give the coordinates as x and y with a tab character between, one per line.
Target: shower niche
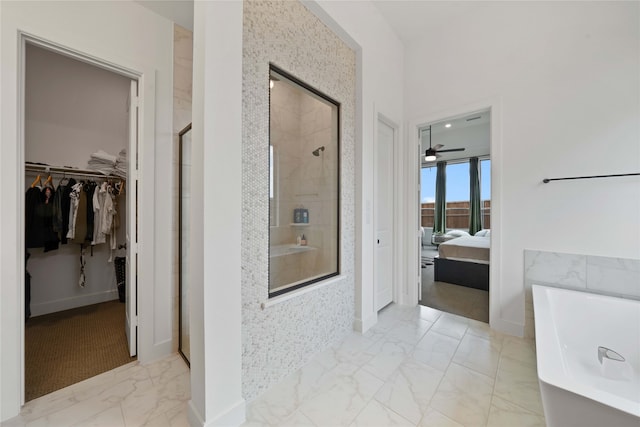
304	184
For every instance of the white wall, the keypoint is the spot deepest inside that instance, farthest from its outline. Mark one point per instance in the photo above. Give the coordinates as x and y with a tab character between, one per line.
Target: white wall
72	109
566	76
379	90
214	269
129	35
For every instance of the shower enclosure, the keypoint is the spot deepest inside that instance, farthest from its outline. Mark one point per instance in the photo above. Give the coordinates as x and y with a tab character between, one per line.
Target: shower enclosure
304	190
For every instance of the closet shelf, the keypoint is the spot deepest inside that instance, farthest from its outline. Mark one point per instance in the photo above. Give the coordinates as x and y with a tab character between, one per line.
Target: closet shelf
62	170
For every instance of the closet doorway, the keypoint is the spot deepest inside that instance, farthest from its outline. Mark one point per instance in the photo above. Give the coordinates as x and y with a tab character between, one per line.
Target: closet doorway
80	152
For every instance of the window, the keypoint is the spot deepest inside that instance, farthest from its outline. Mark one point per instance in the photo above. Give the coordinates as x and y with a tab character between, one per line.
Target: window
304	187
457	189
458	195
427	195
485	192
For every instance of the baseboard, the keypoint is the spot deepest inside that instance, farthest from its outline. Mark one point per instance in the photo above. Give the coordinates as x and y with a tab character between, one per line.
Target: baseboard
195	419
363	326
234	416
72	302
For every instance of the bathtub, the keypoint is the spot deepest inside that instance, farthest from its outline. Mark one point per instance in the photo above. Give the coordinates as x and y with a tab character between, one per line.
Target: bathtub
588	355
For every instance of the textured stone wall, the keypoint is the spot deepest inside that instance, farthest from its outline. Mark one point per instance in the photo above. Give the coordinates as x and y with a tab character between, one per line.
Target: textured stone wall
279	338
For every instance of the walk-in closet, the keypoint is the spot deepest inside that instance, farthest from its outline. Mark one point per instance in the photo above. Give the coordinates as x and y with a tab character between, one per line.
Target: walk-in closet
77	132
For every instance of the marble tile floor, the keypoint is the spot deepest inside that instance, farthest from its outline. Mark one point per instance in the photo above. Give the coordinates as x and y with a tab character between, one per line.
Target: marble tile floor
131	395
416	367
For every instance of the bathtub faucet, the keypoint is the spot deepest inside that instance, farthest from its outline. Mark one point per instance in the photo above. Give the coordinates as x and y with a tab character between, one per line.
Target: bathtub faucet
607	353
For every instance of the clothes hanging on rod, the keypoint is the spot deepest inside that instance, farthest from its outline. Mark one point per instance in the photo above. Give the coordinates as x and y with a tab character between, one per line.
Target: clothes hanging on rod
39	219
83	212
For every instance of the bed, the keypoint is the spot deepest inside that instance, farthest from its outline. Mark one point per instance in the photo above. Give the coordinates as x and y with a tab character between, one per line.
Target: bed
464	261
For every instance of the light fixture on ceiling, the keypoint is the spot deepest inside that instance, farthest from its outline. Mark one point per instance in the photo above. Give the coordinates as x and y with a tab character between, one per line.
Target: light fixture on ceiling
448	125
430	154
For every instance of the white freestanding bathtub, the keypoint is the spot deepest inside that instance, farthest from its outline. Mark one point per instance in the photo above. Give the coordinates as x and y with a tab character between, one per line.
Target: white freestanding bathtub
588	355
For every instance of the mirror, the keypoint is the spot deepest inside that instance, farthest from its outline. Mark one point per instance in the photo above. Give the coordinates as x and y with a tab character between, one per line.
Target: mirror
304	185
184	202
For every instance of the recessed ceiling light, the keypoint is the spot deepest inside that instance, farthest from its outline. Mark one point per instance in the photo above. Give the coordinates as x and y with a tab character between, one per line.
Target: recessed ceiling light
448	125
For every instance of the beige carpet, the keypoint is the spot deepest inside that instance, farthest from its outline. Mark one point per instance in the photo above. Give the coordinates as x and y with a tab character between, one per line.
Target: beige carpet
70	346
460	300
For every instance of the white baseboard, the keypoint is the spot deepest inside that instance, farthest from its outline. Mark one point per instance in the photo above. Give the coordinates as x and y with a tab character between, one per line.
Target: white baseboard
363	326
195	419
68	303
232	417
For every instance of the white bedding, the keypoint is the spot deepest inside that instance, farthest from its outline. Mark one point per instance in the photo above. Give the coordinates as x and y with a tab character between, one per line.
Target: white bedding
466	248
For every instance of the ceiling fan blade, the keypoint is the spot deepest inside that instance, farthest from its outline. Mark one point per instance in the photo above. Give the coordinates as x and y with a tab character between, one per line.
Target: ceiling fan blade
451	149
438	146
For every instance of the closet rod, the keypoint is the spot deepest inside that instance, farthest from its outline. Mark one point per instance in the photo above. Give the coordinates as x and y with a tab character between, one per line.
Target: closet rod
60	170
547	180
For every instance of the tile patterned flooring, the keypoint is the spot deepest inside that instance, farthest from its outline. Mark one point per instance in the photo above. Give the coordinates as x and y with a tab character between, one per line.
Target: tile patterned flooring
416	367
131	395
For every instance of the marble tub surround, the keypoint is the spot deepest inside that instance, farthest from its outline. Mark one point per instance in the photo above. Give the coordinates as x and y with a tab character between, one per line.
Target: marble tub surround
131	395
619	277
417	367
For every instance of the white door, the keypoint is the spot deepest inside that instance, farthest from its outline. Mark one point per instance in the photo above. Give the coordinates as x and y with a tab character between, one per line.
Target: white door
383	208
132	223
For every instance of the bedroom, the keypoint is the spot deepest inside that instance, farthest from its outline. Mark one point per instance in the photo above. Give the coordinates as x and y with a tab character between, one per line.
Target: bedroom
455	215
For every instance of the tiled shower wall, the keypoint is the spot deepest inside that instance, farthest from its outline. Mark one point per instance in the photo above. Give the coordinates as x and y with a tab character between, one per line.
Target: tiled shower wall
278	339
602	275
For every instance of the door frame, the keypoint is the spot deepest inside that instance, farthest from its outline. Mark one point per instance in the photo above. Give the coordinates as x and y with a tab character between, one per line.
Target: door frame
494	106
396	235
141	78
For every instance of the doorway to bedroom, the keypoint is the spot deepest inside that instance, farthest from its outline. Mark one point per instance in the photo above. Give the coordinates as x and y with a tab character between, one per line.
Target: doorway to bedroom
455	214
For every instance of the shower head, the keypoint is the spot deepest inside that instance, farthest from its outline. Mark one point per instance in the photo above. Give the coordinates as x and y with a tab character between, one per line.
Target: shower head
317	151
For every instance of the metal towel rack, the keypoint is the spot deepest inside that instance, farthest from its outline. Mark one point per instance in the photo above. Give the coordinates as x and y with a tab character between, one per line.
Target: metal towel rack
547	180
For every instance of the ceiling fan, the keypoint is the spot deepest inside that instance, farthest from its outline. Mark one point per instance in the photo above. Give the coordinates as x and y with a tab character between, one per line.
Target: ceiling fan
432	152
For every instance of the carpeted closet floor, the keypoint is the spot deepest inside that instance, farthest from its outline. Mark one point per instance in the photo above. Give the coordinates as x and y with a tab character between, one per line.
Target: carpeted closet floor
70	346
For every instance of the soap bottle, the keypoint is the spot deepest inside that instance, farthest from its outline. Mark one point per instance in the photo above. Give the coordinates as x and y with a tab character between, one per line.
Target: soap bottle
303	241
299	240
305	216
297	215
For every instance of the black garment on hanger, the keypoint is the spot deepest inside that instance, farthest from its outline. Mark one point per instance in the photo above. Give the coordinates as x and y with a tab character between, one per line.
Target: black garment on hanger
39	220
44	216
89	188
32	224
